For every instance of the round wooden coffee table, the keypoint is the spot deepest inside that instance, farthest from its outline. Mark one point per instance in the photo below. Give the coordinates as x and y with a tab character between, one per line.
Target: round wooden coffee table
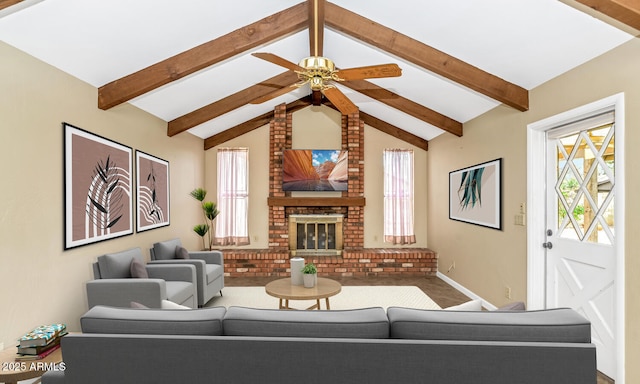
285	291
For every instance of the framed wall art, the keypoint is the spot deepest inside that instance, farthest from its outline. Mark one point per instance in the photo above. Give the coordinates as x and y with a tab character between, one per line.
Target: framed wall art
97	186
475	194
152	187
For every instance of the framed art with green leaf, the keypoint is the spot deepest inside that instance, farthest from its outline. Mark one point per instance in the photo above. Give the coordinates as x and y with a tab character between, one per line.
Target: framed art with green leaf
98	188
475	194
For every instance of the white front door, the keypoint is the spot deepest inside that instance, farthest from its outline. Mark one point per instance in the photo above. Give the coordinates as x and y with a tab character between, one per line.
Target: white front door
581	228
578	270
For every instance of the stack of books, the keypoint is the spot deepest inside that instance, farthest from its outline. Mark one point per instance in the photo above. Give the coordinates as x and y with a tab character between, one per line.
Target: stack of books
40	342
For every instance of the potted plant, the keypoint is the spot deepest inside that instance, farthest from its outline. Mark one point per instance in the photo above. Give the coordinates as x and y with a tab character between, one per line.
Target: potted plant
210	211
309	275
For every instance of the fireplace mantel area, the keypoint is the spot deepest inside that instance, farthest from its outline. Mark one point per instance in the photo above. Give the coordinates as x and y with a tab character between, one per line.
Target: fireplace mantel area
350	257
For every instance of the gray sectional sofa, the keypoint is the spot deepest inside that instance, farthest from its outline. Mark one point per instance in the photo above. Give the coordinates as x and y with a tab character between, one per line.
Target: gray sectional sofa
245	345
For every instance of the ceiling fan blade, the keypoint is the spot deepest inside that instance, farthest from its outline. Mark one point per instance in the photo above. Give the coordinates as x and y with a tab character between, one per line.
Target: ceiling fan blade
273	95
340	101
316	26
275	59
370	72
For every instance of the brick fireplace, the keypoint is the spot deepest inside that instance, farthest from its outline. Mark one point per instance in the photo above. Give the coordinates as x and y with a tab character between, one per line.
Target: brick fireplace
354	259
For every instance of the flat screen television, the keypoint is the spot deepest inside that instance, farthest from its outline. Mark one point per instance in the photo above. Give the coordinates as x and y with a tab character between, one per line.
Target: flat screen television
314	170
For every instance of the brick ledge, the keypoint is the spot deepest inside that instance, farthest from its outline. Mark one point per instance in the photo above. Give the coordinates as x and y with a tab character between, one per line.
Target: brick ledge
353	262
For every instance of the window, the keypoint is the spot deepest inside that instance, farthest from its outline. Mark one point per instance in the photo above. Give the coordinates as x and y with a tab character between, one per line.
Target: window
398	196
233	197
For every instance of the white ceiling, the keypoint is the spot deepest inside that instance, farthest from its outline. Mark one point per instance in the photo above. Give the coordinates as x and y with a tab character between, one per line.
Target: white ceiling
525	42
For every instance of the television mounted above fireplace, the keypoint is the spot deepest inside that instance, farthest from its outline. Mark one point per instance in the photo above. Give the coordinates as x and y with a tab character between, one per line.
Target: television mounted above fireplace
314	170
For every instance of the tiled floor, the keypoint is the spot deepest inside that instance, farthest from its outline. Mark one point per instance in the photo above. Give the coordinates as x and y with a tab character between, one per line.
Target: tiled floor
442	293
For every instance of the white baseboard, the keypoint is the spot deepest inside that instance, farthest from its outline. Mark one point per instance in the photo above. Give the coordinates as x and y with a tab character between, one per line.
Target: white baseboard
487	305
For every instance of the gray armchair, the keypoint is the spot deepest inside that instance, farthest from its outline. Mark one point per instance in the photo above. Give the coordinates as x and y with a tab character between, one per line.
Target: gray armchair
115	286
209	267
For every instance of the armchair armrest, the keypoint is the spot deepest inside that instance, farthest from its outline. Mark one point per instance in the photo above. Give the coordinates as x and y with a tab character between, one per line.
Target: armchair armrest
199	264
121	292
171	272
210	257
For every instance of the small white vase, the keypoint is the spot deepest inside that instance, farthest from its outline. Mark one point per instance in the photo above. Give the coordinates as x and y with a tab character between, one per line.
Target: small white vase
309	280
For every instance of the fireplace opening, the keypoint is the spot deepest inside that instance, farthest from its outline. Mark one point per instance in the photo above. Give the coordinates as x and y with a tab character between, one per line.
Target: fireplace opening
317	235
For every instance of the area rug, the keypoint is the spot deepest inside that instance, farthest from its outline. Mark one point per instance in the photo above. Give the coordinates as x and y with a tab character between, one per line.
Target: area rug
350	297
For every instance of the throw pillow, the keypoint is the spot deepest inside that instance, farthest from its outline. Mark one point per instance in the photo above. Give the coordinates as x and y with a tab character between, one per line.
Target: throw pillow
181	252
473	305
166	304
515	306
137	305
138	270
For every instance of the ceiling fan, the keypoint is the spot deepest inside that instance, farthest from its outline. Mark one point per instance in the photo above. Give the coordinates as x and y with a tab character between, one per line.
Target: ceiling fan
320	72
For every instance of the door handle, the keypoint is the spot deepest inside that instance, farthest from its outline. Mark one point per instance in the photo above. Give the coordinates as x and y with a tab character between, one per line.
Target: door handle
547	245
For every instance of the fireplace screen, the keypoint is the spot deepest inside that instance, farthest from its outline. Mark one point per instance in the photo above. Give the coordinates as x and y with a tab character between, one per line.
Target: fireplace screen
315	234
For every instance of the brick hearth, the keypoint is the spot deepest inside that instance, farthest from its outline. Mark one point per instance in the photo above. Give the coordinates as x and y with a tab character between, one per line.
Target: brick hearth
355	260
364	262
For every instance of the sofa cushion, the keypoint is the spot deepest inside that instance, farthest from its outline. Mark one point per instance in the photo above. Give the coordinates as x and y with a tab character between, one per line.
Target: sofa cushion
135	304
138	270
103	319
369	323
166	250
213	271
118	265
179	291
553	325
472	305
514	306
166	304
181	252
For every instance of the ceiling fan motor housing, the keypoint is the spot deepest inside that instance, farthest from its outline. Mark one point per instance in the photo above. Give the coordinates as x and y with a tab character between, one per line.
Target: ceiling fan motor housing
318	69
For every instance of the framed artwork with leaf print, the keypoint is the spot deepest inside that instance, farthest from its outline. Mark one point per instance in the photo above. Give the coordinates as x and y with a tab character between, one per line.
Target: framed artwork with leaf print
152	187
97	186
475	194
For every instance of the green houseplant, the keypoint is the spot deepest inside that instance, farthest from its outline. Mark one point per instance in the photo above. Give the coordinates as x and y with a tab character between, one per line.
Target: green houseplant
309	275
210	211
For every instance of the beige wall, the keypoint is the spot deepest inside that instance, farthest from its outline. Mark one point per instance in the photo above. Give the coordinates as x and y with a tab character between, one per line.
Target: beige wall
39	281
319	128
488	260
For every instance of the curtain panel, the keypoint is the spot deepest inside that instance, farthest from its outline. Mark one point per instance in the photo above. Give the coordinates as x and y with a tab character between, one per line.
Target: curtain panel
398	196
233	197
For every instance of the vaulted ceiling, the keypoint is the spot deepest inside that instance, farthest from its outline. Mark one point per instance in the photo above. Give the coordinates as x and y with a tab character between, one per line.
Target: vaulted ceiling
190	62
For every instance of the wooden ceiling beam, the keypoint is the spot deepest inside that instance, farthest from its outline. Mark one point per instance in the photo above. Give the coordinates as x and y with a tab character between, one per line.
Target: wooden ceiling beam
394	131
7	3
250	125
230	103
426	57
405	105
387	128
624	11
280	24
264	119
316	27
